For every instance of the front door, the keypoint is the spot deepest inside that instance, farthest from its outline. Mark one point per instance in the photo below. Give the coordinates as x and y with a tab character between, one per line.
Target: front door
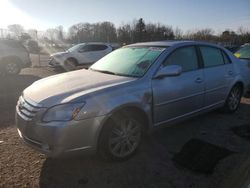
179	96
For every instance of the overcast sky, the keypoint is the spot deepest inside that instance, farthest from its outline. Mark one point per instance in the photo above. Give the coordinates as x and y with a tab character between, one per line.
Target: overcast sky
185	14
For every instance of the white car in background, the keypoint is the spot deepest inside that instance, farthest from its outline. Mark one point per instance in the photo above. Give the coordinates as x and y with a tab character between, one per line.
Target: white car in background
83	54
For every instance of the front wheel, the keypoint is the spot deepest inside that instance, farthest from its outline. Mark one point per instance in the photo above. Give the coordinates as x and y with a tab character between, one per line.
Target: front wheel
233	99
120	137
70	65
12	68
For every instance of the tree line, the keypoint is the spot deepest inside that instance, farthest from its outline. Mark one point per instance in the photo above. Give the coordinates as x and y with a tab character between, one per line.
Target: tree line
136	31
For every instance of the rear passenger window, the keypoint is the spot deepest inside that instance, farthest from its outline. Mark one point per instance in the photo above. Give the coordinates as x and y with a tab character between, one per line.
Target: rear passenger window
97	47
101	47
211	56
94	47
185	57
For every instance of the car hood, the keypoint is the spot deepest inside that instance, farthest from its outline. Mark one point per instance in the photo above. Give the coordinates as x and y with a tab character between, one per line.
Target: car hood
66	87
59	54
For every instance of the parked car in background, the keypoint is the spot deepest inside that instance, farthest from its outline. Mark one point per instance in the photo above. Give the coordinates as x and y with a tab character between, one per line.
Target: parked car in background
244	55
232	48
13	57
84	54
243	52
110	106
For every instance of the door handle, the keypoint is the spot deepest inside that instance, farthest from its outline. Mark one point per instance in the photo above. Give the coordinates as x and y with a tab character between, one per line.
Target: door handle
230	73
198	80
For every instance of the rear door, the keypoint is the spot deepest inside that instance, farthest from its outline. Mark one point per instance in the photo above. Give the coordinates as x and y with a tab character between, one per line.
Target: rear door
179	96
218	72
84	54
99	51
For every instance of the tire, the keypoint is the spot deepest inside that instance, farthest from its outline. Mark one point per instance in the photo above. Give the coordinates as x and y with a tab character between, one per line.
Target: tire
233	99
12	68
120	137
70	64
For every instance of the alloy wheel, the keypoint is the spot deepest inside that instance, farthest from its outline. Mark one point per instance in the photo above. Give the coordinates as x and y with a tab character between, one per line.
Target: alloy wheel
234	98
124	137
12	68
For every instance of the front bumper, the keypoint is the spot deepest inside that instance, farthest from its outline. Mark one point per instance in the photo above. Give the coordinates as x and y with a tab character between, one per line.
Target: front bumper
61	138
54	63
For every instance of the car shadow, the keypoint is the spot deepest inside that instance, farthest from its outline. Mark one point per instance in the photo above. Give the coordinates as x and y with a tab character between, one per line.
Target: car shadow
144	169
11	88
153	164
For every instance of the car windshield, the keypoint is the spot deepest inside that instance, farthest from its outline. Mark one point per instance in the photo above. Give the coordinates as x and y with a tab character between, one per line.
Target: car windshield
128	61
243	53
75	47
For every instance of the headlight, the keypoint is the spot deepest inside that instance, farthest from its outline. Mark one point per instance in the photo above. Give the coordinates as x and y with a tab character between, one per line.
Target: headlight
62	112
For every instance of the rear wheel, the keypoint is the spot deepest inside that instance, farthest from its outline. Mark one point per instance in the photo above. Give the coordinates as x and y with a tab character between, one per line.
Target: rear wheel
120	137
233	99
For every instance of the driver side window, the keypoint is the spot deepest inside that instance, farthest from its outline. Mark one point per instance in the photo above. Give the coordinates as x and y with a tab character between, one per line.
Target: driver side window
185	57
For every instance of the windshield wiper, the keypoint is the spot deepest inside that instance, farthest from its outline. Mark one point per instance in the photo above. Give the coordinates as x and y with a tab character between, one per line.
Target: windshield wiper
103	71
117	74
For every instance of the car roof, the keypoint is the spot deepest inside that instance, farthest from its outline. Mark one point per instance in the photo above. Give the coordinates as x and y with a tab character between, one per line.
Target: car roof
171	43
100	43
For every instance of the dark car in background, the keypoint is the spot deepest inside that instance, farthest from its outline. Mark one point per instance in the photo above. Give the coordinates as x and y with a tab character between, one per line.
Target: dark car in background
232	48
13	57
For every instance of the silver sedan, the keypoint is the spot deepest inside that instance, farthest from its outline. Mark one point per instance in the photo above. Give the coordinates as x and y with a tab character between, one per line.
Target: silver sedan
108	108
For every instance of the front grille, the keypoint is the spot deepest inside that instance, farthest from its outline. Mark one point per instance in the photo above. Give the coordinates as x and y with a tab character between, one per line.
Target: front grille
27	109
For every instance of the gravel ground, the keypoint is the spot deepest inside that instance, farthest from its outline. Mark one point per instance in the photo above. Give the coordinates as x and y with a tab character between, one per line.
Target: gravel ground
152	166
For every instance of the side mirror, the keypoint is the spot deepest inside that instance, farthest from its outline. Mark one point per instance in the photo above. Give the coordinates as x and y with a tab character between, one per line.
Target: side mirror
170	70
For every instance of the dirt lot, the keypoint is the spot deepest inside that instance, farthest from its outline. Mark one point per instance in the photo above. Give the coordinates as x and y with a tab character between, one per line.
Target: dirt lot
153	165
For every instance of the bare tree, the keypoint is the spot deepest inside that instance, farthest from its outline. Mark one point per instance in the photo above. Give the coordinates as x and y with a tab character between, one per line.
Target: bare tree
124	34
16	29
33	34
178	33
86	32
108	32
244	36
51	34
138	31
59	33
204	34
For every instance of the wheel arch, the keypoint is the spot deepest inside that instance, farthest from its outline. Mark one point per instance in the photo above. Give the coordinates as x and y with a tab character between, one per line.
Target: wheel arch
72	58
134	109
241	84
